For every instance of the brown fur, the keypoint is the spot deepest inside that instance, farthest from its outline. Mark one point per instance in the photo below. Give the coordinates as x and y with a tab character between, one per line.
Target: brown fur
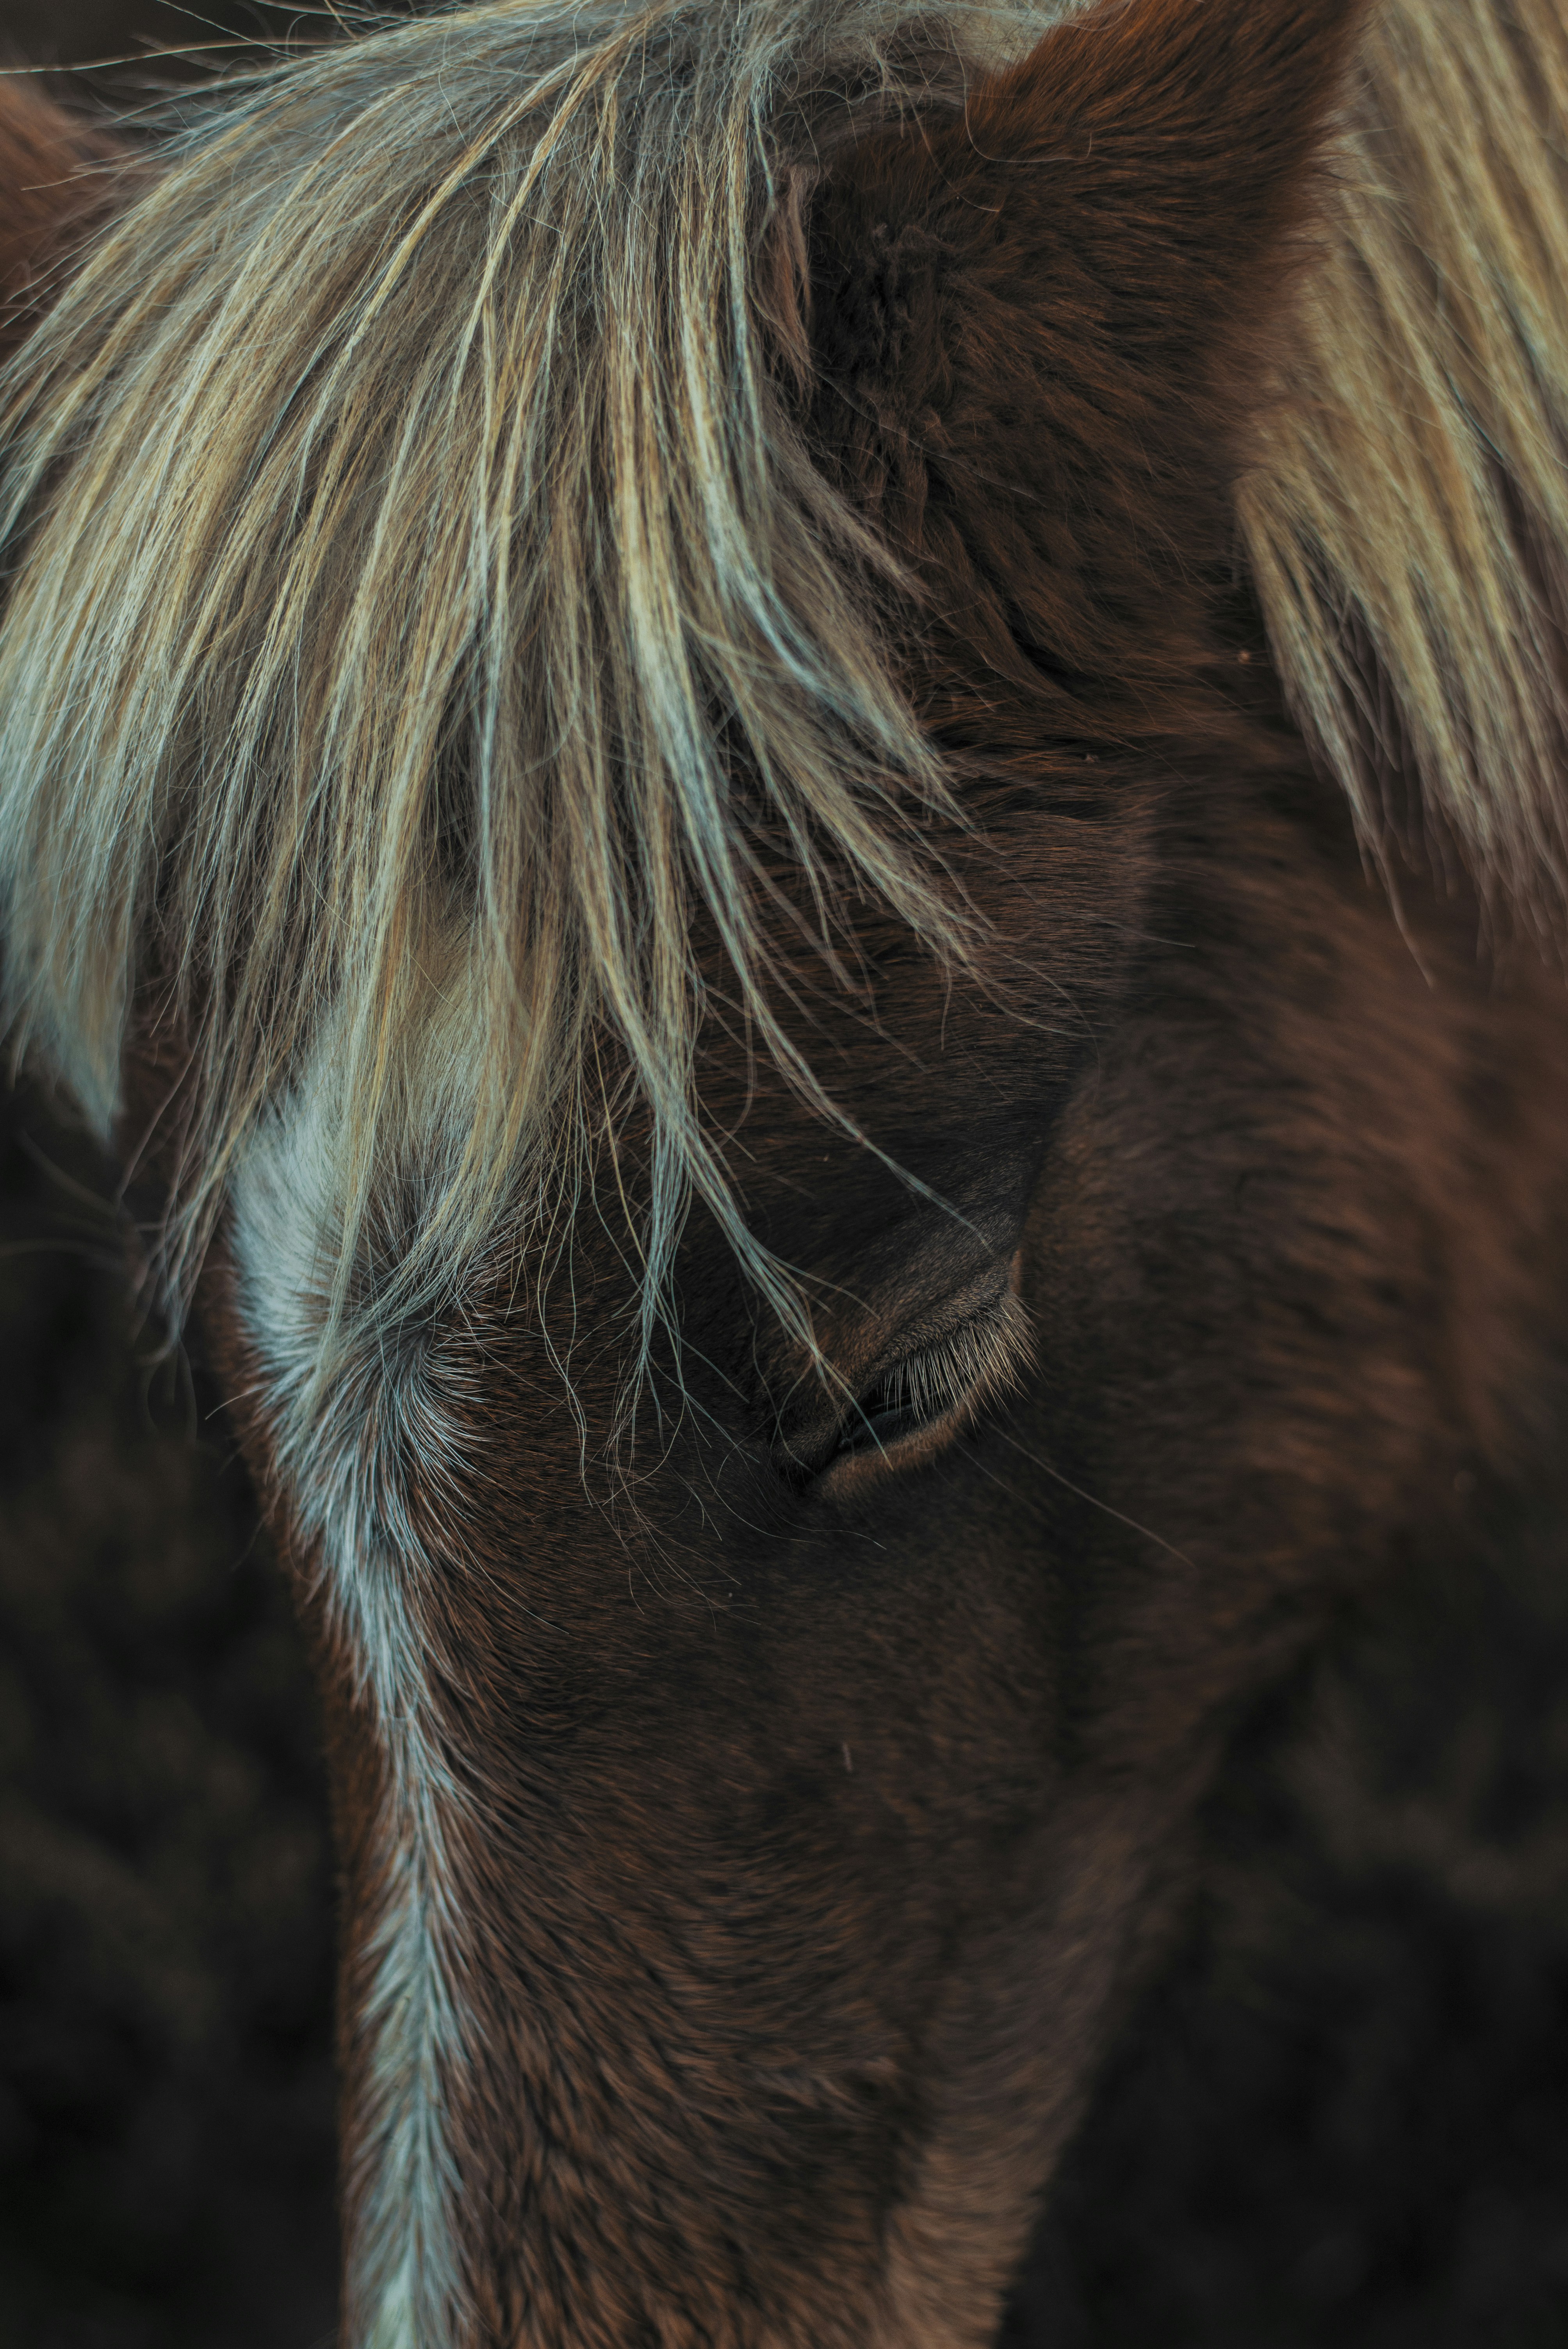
810	1831
1042	333
56	187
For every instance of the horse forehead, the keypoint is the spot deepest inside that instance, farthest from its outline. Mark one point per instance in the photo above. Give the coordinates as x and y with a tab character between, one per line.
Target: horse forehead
936	1103
934	1064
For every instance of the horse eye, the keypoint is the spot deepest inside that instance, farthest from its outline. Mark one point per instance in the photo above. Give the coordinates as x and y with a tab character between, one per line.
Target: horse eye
957	1374
886	1413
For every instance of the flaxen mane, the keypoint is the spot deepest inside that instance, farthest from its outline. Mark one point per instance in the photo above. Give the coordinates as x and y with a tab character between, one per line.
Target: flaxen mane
1407	525
418	539
415	542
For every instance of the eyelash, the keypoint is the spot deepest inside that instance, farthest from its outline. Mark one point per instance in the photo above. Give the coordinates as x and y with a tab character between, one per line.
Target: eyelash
967	1368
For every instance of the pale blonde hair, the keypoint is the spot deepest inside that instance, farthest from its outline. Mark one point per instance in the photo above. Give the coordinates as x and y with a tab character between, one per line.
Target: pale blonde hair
416	535
1411	501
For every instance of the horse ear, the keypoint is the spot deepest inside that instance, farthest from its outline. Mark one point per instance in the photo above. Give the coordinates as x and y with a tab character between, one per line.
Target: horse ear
1094	248
55	187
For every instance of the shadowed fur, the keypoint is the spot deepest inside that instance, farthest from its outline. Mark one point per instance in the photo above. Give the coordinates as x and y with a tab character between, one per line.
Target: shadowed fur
60	179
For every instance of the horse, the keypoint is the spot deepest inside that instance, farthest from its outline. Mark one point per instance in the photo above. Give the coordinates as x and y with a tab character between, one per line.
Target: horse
794	773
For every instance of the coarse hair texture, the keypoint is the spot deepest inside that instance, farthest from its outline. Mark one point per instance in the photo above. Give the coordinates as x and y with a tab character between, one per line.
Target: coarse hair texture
426	604
426	612
1407	519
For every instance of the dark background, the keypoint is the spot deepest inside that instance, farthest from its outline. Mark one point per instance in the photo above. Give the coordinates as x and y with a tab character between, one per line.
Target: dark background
1340	2123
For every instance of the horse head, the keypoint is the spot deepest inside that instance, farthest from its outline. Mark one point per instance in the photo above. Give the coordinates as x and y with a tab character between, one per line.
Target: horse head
641	768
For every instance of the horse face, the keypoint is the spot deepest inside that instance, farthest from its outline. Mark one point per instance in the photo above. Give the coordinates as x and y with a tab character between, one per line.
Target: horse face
807	1785
753	1812
797	1778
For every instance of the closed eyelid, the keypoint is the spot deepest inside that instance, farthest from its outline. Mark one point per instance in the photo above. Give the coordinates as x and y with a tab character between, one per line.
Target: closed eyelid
978	1359
943	1361
943	1386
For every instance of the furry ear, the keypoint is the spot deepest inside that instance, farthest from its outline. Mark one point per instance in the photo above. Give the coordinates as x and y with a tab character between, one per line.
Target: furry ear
55	187
1040	324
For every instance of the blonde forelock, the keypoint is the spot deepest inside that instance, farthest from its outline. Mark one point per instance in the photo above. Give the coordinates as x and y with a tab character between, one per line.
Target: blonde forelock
423	599
1408	518
417	540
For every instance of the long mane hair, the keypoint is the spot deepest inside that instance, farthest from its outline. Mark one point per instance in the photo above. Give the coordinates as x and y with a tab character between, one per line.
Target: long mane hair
1406	519
415	538
418	539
